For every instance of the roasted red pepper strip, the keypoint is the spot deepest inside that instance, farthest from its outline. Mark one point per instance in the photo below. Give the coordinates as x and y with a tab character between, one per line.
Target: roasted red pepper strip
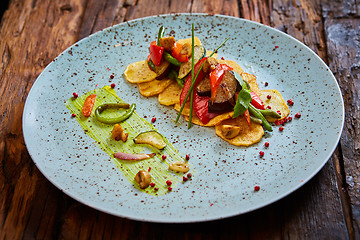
156	53
216	76
187	84
256	101
247	116
176	53
88	105
201	105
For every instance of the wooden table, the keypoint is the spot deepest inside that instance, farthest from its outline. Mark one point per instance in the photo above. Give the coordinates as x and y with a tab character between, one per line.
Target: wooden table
33	33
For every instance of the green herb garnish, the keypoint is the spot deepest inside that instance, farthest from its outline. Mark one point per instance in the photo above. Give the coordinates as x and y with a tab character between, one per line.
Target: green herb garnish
192	74
194	80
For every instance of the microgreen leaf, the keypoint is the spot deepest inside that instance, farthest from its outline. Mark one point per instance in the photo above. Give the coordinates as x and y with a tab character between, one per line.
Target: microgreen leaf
242	102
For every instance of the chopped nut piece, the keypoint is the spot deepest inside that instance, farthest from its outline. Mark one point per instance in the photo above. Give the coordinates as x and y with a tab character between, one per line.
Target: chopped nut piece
179	167
186	49
118	133
210	64
143	178
167	43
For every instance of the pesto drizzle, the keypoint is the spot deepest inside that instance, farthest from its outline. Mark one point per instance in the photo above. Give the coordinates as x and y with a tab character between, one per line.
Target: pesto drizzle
134	125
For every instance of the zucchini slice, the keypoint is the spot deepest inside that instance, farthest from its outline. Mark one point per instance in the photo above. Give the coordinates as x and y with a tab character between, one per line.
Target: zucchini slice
185	68
152	138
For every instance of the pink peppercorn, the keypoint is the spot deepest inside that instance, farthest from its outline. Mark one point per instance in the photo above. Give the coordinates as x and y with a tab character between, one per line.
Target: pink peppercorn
187	157
189	175
268	107
290	102
168	182
185	178
73	115
256	188
152	184
156	189
149	169
266	84
268	96
112	85
281	129
75	95
112	76
297	115
169	188
267	144
289	119
278	112
261	153
163	157
153	119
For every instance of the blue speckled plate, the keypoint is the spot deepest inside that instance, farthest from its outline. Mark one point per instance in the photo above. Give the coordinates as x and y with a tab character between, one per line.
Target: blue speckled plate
225	176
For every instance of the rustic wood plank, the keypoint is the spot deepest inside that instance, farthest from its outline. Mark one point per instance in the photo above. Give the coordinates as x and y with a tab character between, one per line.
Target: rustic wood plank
302	20
101	14
258	11
230	7
343	35
144	9
32	33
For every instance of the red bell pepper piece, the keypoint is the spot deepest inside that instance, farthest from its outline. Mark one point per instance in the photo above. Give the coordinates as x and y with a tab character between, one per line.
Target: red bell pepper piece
156	53
256	101
216	76
188	82
176	53
200	106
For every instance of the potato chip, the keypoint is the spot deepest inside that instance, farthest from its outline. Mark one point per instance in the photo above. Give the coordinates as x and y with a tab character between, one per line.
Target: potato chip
251	79
212	122
139	72
208	53
154	87
189	41
276	102
171	95
233	64
247	136
185	111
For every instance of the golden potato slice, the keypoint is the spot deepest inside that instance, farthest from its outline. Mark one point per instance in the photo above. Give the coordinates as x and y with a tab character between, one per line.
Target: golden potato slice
251	79
139	72
171	94
154	87
189	41
208	52
212	122
276	102
232	64
248	135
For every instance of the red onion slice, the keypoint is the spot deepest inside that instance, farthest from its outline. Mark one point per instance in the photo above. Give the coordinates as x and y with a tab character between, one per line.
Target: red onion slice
133	156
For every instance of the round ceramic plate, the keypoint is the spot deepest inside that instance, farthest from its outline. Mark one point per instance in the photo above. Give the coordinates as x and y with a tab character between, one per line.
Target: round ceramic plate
223	185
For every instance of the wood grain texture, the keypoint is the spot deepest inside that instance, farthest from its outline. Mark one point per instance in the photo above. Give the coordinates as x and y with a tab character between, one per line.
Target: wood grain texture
343	36
34	32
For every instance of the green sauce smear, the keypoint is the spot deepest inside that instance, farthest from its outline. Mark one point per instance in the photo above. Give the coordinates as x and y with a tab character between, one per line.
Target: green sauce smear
134	125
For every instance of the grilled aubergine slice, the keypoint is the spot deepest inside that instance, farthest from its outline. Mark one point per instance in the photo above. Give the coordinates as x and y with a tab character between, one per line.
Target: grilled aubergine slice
225	95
